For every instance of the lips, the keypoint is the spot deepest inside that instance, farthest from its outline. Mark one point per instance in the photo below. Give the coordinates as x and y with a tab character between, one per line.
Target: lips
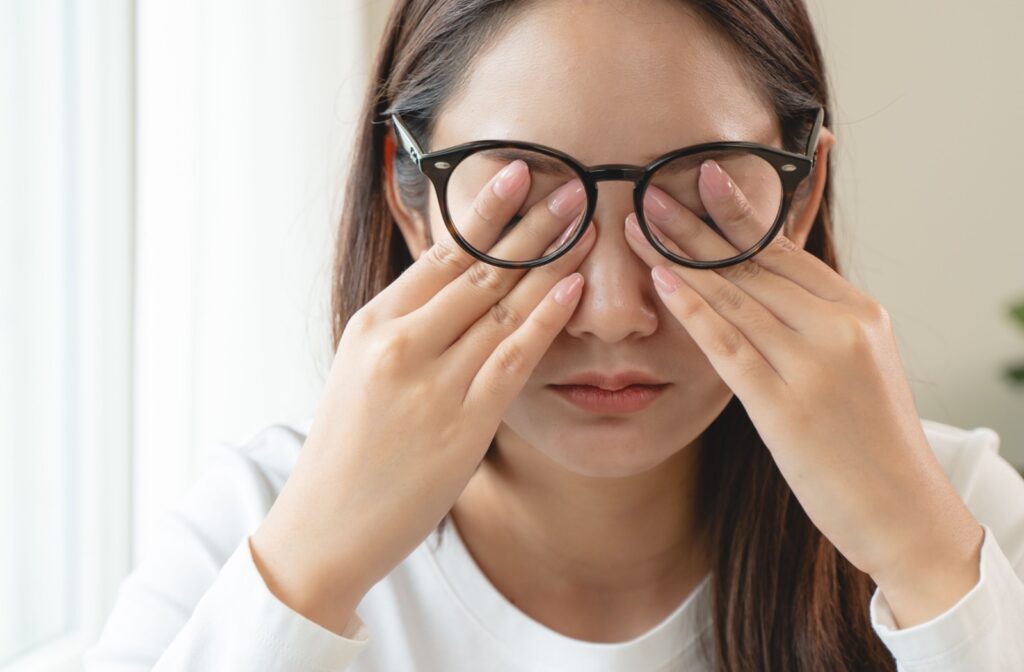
628	399
612	381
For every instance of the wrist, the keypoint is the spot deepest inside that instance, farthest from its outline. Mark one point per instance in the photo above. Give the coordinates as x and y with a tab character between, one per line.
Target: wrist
928	580
326	596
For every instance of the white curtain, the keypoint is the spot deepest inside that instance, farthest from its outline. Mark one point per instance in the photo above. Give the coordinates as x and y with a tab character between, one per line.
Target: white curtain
66	134
170	177
245	111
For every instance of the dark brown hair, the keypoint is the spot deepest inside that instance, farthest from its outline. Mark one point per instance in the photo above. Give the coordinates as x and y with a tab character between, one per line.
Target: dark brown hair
784	598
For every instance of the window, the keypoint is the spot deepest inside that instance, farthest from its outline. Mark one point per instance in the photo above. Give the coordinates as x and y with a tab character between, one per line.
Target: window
65	323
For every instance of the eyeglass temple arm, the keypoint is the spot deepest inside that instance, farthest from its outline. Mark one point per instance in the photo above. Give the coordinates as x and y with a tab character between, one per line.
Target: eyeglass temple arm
409	144
812	142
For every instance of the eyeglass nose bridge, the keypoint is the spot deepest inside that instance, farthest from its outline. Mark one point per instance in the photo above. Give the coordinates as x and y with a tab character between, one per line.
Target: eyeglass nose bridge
615	171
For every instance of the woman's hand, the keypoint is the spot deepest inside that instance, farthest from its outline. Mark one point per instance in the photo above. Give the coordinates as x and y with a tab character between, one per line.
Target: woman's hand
816	366
421	379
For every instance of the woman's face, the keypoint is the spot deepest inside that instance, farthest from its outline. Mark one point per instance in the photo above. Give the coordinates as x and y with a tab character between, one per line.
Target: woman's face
609	83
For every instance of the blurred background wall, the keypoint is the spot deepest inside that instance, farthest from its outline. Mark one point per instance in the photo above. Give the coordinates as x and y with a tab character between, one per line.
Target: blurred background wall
170	181
929	103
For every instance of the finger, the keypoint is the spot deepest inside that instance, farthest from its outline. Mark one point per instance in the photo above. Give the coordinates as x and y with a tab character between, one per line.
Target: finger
791	304
693	237
507	369
729	207
782	347
445	260
481	288
476	344
738	363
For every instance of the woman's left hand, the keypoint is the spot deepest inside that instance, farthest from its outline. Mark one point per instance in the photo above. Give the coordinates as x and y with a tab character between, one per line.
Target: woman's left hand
816	366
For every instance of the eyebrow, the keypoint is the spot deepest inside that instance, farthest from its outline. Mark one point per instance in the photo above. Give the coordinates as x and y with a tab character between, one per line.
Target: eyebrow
536	161
651	157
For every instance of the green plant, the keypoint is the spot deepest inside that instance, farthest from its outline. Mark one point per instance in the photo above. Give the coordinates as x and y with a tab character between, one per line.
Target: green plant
1015	372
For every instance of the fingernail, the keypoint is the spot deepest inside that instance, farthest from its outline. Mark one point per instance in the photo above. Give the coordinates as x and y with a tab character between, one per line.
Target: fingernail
658	205
718	182
666	280
510	178
568	289
633	226
568	199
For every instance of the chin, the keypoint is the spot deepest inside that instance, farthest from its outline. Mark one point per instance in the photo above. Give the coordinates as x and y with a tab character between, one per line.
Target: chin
605	446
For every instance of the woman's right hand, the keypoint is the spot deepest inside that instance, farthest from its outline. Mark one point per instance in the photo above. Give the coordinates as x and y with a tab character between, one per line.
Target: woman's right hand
420	382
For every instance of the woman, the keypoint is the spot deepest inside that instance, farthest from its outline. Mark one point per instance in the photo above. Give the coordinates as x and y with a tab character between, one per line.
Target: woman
624	454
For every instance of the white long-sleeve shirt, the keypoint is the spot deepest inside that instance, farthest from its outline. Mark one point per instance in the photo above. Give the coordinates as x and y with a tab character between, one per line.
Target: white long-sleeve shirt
197	602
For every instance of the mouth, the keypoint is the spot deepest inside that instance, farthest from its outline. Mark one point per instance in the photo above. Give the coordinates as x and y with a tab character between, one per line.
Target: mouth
613	381
595	399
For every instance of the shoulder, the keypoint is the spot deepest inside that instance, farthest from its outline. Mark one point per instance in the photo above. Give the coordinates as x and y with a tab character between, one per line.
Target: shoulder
991	487
198	542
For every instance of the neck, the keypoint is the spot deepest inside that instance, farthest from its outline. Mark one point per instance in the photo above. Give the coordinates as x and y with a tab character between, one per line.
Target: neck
582	534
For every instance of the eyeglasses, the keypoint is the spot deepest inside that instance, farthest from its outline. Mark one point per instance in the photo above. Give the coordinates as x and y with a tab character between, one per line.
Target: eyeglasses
562	197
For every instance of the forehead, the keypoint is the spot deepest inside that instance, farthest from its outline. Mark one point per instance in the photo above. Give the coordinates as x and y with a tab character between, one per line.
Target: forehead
607	82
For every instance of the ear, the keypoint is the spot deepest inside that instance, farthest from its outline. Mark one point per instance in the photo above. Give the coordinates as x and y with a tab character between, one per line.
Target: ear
807	200
414	230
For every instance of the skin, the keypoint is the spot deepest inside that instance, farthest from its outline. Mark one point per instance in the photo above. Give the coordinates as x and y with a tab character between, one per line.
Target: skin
584	515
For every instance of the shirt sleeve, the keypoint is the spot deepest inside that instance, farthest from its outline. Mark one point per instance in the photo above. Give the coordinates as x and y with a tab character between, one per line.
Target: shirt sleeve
982	631
197	601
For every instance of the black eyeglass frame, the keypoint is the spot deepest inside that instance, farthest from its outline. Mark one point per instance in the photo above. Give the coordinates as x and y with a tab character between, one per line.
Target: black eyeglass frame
438	166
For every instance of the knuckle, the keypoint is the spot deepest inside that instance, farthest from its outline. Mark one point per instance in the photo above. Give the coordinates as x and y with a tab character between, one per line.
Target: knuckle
691	310
389	355
727	298
444	255
484	276
742	272
729	343
851	333
741	209
511	360
758	322
785	244
363	320
875	312
483	206
493	386
505	315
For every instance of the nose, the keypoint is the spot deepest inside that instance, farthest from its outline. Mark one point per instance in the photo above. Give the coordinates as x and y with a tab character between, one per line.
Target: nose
619	301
